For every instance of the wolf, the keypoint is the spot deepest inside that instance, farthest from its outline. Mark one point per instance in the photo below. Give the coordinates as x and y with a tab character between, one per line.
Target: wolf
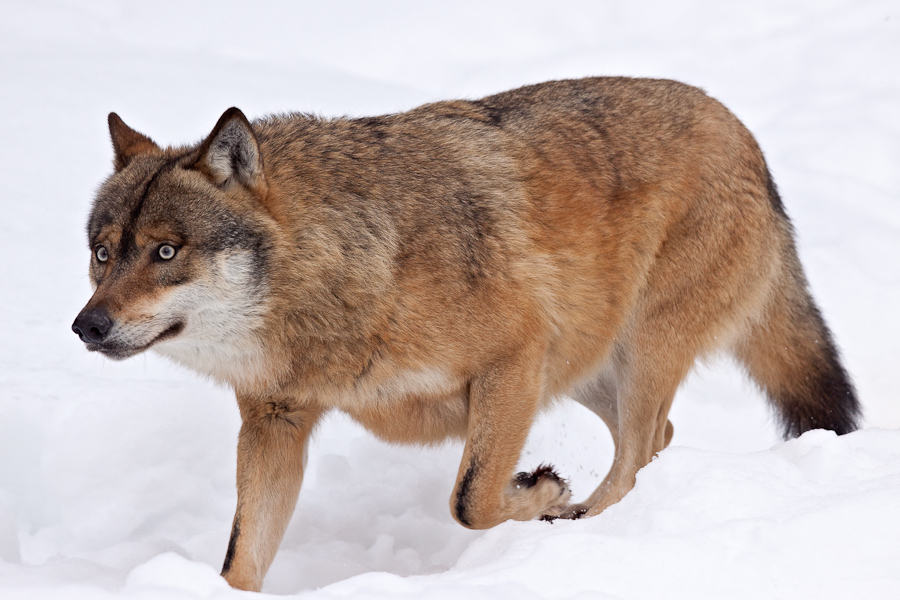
449	272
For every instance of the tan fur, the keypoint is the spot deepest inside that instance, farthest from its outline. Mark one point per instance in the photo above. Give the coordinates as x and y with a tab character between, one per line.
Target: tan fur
450	271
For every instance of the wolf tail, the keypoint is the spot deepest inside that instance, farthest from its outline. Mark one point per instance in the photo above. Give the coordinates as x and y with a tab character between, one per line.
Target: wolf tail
791	354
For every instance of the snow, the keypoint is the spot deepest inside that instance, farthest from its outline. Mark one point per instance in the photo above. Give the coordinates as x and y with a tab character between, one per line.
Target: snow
117	479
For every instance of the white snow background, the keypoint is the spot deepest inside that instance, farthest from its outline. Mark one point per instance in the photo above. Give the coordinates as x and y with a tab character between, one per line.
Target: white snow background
117	479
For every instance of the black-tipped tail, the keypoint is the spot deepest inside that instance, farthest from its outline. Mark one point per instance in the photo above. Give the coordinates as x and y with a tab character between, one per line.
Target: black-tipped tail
791	355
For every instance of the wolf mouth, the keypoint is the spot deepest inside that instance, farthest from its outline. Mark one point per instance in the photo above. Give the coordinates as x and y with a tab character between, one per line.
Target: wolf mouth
117	351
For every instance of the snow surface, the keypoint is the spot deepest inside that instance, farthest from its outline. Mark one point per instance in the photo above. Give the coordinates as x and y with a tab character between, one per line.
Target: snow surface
116	479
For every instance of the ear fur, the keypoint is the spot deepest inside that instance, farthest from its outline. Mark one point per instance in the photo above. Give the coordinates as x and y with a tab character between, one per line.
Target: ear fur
231	153
127	143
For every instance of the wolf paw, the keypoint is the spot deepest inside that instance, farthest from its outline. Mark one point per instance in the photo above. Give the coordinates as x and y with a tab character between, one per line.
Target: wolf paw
574	511
540	493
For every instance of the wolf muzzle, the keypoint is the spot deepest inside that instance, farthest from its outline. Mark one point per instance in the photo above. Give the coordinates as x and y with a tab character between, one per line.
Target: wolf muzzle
92	325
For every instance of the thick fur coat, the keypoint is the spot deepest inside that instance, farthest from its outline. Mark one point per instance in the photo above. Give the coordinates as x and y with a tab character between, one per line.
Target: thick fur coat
450	271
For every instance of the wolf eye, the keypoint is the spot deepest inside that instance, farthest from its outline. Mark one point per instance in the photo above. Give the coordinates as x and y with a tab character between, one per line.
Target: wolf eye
102	253
166	251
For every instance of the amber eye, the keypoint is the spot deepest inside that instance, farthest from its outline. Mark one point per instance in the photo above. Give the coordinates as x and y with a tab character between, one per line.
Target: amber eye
102	253
166	251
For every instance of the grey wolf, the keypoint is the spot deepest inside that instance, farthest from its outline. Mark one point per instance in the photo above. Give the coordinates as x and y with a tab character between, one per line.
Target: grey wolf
452	270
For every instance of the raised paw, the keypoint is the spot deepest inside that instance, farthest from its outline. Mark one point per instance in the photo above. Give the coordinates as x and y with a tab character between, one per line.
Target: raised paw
540	493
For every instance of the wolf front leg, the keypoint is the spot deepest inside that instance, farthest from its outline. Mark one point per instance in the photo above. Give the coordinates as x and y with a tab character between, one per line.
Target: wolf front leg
502	406
270	463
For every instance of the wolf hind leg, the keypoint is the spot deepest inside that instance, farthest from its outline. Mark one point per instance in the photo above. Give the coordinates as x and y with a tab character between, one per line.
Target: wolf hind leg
600	396
789	352
634	403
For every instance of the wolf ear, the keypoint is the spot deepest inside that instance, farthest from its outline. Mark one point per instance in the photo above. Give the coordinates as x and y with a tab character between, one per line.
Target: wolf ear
127	143
231	153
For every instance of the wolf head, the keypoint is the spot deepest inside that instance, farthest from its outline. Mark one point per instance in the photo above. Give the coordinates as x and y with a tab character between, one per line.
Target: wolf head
180	250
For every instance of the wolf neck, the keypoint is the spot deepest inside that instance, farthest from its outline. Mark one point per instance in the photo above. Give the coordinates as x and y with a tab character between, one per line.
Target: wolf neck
332	271
243	365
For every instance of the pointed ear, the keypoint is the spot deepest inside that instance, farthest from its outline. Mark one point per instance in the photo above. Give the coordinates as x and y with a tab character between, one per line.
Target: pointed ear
127	143
231	153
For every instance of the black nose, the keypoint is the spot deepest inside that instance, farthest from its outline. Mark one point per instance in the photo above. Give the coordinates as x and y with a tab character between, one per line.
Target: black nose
92	325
